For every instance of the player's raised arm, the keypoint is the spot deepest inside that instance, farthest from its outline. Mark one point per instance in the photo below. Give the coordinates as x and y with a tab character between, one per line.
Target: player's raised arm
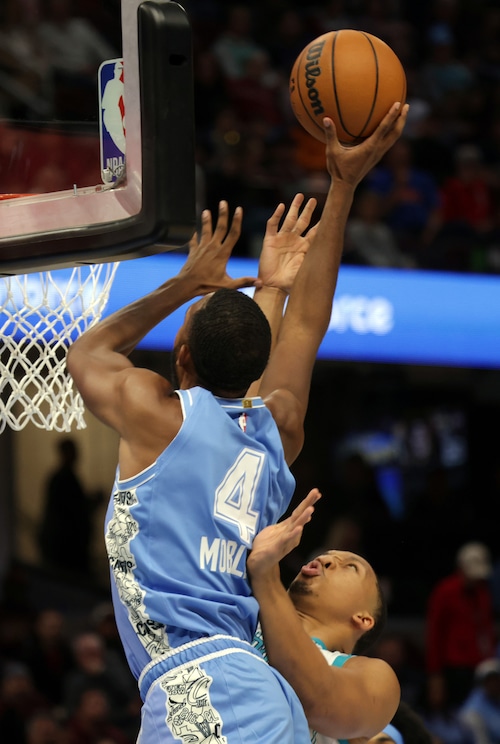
286	381
286	241
98	360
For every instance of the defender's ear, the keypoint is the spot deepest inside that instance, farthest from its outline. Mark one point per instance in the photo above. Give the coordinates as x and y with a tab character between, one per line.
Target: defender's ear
364	621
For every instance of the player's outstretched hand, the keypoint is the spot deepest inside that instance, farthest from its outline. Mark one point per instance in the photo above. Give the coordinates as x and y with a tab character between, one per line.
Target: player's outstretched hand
350	164
209	252
284	248
273	543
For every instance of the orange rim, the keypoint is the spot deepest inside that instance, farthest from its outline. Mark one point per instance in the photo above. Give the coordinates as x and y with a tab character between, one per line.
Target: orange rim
13	196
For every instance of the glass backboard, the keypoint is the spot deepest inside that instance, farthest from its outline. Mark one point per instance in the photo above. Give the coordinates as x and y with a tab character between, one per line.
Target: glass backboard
96	134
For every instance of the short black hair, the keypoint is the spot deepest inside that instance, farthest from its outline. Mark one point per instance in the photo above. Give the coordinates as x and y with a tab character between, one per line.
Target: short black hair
230	341
410	725
380	617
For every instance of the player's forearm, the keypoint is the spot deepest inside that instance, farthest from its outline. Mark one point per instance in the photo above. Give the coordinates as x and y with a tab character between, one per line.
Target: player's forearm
289	648
124	329
271	301
310	303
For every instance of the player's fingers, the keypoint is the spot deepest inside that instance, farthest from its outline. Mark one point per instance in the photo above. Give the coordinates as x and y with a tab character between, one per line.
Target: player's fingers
244	281
293	213
306	504
194	240
388	122
274	220
206	226
332	140
306	215
401	120
234	230
222	220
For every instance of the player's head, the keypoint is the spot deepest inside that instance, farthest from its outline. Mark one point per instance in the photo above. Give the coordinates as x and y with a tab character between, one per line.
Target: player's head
406	727
229	340
340	590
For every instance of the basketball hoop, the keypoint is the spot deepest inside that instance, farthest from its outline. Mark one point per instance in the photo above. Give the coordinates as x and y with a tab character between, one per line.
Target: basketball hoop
41	314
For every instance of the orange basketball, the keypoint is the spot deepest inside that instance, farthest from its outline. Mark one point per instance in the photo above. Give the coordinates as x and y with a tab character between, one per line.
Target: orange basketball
351	76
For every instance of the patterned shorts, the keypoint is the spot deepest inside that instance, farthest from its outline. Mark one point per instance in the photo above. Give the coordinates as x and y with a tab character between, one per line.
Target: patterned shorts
220	692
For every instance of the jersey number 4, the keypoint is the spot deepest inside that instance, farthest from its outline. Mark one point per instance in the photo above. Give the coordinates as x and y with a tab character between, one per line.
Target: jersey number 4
234	498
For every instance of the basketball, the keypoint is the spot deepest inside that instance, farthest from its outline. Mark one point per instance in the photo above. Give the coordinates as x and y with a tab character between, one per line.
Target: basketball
351	76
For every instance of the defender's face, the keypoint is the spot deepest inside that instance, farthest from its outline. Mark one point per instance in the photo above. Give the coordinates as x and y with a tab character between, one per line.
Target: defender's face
337	583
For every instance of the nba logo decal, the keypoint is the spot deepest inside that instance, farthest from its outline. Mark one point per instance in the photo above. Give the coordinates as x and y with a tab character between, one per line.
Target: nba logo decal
112	120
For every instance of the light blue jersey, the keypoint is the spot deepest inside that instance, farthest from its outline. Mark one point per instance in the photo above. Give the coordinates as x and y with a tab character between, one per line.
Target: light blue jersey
177	536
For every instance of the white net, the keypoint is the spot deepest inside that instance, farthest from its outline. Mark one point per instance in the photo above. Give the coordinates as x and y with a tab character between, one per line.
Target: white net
41	314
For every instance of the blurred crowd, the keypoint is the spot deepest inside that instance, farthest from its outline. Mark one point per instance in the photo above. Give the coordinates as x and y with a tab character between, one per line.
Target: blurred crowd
433	202
64	679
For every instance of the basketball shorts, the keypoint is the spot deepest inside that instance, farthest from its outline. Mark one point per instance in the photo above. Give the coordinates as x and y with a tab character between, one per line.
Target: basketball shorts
218	690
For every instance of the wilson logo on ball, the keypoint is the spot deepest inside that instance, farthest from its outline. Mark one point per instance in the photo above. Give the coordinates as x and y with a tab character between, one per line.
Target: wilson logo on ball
313	70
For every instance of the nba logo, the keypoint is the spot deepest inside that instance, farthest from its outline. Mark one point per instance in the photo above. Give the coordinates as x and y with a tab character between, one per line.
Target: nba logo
112	120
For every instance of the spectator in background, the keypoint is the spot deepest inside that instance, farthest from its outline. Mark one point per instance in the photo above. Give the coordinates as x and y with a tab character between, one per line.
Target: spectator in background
25	69
467	213
334	15
481	709
236	44
19	702
48	654
369	240
255	94
91	721
287	40
97	670
460	629
466	196
209	94
444	75
75	49
66	527
410	198
44	728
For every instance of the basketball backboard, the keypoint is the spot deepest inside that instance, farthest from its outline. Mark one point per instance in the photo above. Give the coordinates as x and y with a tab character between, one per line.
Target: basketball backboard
106	171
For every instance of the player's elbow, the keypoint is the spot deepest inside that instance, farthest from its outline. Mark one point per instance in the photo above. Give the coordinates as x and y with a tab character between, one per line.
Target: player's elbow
365	706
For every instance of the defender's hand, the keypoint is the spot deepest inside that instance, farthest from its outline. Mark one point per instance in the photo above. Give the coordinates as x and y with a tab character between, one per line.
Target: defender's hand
275	542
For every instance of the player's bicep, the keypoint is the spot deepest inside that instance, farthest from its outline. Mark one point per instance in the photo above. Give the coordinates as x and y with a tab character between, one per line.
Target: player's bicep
99	378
